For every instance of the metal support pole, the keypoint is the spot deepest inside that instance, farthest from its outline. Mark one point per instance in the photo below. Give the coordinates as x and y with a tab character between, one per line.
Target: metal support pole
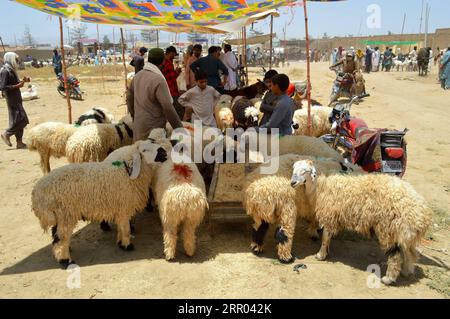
63	57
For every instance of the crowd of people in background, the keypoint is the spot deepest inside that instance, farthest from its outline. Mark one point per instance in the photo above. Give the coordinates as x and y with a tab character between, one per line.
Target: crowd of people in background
155	98
375	60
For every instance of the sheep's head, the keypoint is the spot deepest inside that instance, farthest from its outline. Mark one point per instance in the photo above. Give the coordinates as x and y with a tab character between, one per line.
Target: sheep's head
303	171
251	116
150	151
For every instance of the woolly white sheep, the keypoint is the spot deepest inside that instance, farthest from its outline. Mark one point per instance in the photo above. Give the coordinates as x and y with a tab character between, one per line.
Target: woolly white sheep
223	114
304	145
50	139
382	205
93	143
180	194
112	192
95	116
270	199
320	124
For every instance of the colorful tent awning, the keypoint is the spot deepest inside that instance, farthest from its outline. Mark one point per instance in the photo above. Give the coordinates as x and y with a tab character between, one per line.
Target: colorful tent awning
167	14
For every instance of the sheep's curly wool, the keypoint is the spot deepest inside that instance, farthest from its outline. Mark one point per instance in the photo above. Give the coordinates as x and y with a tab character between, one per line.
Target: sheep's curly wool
93	143
223	114
270	199
49	139
180	194
303	145
383	205
319	121
92	192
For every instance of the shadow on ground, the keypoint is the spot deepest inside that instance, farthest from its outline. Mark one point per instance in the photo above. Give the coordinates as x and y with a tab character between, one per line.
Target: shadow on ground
91	246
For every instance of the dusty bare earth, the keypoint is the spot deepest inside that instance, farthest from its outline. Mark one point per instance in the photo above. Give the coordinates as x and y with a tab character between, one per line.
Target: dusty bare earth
224	266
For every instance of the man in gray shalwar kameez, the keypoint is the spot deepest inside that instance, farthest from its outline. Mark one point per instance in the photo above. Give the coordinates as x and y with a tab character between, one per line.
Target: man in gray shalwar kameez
10	84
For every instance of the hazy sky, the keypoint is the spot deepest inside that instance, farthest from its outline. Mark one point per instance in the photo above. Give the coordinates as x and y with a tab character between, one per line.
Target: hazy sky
336	19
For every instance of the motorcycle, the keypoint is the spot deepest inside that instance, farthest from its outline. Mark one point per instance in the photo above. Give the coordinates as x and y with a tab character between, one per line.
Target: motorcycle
342	86
73	87
375	150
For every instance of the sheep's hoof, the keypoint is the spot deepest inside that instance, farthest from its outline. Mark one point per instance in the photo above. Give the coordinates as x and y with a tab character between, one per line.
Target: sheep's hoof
170	259
387	281
105	226
287	262
130	247
256	249
320	257
65	263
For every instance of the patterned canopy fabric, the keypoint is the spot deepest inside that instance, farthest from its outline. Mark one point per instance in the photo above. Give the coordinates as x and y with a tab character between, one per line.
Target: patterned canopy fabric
167	14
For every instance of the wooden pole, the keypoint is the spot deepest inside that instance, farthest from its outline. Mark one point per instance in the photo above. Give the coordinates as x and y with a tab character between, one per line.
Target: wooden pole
427	18
244	31
157	38
403	25
308	68
114	46
271	42
3	46
123	57
100	58
63	57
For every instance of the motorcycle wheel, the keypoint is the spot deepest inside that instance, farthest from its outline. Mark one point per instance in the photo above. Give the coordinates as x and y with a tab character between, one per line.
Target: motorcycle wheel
62	92
77	96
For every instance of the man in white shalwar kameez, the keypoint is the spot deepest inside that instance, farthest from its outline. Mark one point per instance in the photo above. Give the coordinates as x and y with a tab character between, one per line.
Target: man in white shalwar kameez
230	61
376	60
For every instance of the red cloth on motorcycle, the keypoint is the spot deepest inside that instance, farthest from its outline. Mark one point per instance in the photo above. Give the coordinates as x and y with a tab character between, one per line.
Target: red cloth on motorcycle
364	148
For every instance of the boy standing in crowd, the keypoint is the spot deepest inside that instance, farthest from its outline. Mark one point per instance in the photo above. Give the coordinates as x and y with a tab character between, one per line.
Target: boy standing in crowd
202	98
285	106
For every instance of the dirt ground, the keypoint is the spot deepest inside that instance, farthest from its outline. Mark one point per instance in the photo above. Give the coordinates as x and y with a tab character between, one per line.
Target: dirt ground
224	266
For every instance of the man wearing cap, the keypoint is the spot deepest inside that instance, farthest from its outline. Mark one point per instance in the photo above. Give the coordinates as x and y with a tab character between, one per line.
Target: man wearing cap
171	74
148	98
138	60
348	63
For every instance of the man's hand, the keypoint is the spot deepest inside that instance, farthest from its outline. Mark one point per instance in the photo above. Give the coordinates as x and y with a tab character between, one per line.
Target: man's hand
26	79
20	85
178	70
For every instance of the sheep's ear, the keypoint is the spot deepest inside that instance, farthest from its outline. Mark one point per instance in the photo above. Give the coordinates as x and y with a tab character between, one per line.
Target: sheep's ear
135	166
